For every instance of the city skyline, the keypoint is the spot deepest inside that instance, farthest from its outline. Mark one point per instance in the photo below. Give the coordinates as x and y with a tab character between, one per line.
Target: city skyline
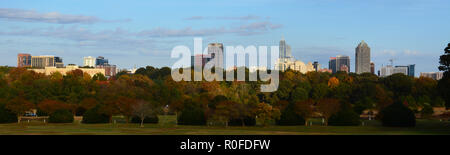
73	31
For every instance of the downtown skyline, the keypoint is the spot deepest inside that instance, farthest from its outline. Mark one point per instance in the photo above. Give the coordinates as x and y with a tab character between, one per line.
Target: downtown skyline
410	32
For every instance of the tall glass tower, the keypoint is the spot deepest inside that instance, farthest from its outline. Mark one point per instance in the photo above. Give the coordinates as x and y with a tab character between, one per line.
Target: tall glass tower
285	50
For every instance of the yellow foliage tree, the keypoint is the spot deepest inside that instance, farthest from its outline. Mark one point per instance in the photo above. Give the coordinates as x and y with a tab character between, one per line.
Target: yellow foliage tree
333	82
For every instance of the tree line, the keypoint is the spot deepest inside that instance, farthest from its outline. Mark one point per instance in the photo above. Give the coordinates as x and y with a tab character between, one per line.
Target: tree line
151	91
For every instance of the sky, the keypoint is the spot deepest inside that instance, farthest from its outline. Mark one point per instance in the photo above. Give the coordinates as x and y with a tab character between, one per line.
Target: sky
144	32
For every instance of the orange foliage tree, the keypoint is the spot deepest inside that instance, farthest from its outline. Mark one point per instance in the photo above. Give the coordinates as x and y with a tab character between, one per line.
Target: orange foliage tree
328	107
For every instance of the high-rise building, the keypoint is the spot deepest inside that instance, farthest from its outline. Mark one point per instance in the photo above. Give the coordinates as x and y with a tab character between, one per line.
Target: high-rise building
343	63
362	58
215	52
411	70
110	70
433	75
89	61
316	66
288	51
285	50
372	68
389	70
339	63
332	64
46	61
282	48
23	60
100	61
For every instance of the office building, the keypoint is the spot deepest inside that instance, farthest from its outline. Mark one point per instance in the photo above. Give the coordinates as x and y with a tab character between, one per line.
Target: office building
110	70
389	70
410	69
362	58
332	64
285	50
23	60
339	63
68	68
316	66
46	61
433	75
89	61
100	61
287	61
283	65
372	68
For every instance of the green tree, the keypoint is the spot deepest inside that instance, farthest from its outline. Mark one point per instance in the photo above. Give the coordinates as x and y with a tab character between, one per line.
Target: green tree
444	60
99	77
299	94
444	83
319	91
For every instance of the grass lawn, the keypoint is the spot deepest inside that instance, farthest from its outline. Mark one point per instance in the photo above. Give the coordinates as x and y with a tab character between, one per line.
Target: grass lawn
167	126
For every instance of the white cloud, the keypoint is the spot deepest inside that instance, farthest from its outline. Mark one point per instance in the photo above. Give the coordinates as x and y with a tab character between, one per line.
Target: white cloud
49	17
389	52
410	53
244	18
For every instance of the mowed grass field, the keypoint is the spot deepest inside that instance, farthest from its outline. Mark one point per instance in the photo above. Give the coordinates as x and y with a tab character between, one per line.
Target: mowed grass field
167	126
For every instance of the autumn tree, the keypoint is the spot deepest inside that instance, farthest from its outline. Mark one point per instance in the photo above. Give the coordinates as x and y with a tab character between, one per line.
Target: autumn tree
333	82
99	77
305	109
50	106
88	103
327	107
225	111
125	106
19	106
143	109
266	112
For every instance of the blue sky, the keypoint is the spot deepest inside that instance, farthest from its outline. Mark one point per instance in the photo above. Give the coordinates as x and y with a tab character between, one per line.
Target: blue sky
138	32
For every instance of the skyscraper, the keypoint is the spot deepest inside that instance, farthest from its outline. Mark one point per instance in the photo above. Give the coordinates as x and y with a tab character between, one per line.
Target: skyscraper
23	60
282	48
362	58
285	50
